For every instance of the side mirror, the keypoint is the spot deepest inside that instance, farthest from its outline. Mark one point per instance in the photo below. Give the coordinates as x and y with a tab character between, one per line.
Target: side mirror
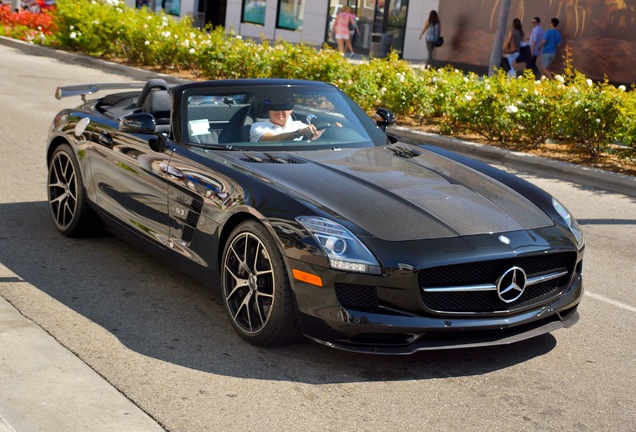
142	123
384	118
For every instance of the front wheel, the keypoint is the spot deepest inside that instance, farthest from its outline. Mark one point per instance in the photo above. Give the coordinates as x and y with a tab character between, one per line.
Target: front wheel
255	287
67	197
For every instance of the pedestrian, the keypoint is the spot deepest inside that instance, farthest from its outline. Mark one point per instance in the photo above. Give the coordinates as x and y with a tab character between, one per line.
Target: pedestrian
535	39
548	46
512	45
342	27
353	29
433	30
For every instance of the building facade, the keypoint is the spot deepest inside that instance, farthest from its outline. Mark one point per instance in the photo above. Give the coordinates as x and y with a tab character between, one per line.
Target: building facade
600	34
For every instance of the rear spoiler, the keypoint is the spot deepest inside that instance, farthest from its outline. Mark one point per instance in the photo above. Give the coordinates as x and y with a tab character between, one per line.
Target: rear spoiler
88	89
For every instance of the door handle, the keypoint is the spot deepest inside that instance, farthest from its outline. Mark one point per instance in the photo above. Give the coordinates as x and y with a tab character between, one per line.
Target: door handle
105	138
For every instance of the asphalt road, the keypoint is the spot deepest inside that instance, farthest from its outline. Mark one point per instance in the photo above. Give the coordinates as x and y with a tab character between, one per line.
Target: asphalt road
162	339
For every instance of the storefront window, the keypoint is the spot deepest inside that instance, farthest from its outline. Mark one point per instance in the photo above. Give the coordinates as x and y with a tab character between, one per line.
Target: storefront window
290	14
396	22
254	11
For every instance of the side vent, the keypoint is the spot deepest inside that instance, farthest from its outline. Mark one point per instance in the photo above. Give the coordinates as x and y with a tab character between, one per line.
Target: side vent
192	219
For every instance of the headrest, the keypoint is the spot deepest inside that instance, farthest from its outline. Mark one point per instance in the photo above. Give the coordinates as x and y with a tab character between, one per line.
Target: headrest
153	84
158	104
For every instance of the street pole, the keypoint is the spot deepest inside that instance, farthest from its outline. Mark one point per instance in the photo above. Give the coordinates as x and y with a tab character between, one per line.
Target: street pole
497	46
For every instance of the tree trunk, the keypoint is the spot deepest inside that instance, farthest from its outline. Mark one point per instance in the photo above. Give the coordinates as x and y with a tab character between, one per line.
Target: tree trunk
497	46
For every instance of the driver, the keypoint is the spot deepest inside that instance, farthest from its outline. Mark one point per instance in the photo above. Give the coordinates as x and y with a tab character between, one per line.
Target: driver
281	126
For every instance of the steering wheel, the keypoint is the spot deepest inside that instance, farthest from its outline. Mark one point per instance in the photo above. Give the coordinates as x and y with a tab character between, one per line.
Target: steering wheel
323	126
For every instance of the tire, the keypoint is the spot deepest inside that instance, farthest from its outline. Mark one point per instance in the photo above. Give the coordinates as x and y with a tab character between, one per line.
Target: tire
67	196
255	287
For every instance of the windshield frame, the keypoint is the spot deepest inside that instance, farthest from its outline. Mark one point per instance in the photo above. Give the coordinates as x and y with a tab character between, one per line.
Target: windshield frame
359	128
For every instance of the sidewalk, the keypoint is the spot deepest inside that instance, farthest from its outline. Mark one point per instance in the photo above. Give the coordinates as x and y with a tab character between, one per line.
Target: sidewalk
45	387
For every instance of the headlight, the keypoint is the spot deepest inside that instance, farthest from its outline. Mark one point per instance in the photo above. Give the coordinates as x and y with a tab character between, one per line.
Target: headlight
570	221
344	250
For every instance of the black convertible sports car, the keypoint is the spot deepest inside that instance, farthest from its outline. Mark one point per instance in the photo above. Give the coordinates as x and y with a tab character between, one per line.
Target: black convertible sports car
350	238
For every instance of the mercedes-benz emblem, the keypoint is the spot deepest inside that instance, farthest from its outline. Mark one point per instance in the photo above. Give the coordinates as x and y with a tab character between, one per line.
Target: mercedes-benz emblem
511	284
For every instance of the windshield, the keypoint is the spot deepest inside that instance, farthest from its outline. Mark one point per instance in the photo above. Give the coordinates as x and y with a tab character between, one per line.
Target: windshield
237	120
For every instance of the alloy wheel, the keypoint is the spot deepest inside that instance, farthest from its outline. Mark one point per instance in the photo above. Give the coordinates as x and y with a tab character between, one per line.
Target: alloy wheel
63	190
249	282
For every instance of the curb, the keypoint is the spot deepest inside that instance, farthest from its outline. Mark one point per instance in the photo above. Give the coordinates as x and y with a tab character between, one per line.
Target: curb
68	57
585	176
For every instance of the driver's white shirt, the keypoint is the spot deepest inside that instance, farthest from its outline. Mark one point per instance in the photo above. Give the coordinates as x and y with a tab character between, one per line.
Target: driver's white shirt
258	129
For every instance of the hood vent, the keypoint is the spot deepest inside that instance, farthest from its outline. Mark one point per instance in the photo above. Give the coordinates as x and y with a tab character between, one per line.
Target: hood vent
268	158
404	152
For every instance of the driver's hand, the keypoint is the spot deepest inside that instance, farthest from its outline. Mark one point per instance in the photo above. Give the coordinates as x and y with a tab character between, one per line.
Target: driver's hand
310	132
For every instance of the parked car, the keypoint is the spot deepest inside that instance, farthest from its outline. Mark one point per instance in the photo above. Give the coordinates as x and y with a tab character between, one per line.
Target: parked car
352	239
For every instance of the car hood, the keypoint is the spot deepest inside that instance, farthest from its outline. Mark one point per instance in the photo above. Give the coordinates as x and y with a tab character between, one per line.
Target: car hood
394	197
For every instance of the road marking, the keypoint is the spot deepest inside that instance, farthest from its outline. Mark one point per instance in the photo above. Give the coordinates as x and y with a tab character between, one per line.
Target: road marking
612	302
4	425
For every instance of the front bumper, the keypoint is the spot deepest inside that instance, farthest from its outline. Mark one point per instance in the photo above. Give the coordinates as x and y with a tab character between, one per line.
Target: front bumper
387	330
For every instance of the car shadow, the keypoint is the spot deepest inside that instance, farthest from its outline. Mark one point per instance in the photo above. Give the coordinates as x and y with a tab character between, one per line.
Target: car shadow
159	312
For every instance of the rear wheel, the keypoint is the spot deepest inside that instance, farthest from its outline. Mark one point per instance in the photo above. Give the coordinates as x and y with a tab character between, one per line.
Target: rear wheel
67	197
255	287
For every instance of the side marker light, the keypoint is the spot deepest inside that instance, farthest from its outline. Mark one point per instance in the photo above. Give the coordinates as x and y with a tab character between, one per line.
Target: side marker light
307	277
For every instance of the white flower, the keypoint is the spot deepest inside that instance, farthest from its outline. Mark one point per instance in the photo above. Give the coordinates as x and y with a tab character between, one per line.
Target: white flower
512	109
71	27
400	77
559	78
383	90
166	34
239	37
112	2
73	35
589	82
147	42
192	51
598	120
468	97
622	88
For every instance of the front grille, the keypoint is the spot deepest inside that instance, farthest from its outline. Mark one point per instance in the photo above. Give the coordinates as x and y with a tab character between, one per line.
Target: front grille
487	272
356	296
